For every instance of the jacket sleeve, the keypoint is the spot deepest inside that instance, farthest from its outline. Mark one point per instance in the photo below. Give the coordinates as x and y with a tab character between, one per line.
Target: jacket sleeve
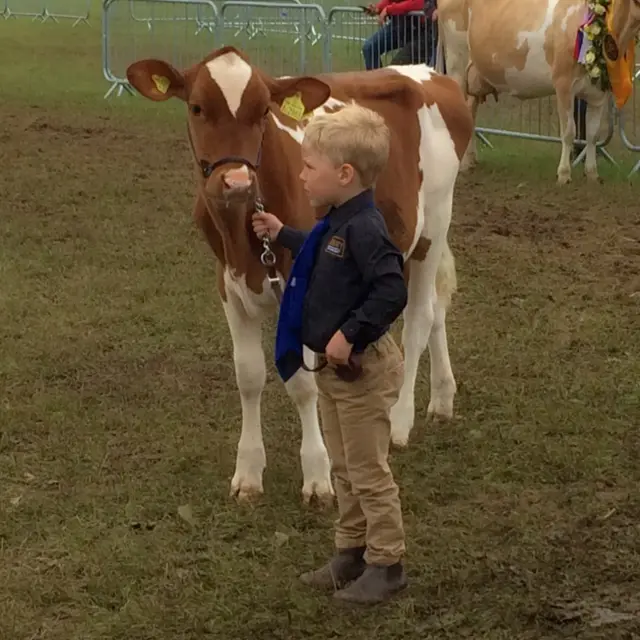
383	4
404	6
291	239
381	266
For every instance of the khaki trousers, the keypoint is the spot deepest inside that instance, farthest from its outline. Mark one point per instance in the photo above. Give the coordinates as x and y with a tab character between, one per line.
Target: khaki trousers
357	432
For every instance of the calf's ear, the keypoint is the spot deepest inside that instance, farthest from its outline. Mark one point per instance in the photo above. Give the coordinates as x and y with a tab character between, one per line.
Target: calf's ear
298	96
157	80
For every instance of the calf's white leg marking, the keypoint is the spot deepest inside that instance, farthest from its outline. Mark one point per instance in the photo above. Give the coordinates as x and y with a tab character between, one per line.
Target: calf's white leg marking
424	317
249	361
244	312
316	469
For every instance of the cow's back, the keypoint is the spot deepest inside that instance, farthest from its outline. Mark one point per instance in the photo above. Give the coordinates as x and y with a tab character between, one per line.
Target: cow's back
398	93
430	127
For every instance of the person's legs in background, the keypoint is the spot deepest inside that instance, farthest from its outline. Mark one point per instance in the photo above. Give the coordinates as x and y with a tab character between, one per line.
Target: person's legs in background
431	34
580	118
414	51
395	33
383	40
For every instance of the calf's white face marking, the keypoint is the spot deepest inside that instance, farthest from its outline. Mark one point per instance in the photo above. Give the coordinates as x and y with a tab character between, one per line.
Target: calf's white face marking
232	74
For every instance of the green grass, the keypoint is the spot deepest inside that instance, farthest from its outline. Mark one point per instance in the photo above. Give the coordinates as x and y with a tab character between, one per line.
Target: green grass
118	402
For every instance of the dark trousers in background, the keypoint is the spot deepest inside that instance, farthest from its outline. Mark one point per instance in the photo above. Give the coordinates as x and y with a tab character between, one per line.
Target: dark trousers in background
396	33
580	118
422	47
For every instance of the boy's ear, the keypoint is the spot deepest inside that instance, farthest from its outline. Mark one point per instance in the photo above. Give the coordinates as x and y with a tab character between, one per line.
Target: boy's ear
347	173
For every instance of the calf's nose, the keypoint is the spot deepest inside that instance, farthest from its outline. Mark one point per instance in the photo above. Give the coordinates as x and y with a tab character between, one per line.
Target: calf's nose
237	179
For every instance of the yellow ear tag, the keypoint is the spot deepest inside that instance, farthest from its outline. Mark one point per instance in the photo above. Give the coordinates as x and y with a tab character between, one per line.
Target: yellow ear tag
293	107
162	83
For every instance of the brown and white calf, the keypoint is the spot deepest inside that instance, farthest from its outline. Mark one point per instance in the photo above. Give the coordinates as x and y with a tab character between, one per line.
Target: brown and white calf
525	48
244	144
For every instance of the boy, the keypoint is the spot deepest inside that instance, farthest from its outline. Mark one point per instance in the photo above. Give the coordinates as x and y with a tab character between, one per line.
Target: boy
356	289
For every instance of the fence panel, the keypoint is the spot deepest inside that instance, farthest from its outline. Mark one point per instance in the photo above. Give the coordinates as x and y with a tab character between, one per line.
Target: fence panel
280	37
43	10
535	119
35	9
170	29
629	121
352	45
76	10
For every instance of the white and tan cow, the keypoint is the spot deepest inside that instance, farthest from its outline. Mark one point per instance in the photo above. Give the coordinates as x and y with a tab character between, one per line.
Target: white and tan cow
525	48
245	146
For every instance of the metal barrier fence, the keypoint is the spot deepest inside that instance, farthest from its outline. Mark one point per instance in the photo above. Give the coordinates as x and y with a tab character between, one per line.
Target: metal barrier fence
43	10
286	38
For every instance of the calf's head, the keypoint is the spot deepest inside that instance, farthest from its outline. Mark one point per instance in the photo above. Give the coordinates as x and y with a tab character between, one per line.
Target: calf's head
228	104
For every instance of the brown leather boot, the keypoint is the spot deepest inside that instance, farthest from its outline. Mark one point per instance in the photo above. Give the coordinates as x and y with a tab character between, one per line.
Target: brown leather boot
377	584
345	566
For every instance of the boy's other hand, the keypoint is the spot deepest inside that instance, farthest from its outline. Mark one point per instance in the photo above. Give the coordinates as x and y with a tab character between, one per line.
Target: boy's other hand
338	350
266	223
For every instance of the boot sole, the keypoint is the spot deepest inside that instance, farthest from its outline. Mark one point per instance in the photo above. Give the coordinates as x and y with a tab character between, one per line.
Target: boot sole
399	593
326	587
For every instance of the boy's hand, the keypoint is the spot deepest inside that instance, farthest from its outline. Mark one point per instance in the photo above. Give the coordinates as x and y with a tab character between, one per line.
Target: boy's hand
338	350
266	223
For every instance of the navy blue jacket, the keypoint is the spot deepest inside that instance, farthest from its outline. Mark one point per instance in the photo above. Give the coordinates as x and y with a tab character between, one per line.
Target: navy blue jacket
357	283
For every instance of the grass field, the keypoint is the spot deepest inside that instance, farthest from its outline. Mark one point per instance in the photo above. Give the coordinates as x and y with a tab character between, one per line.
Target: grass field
119	415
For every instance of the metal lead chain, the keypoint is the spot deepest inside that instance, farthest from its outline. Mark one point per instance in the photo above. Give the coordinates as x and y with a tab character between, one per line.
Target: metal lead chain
268	258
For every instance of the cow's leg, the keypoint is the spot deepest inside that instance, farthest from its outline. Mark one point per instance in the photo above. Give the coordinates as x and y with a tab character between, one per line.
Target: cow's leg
431	283
249	361
316	470
564	97
443	384
470	158
595	109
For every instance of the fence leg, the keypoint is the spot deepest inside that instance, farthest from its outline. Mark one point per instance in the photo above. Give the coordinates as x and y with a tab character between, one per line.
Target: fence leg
121	88
635	170
600	151
48	16
204	25
484	139
84	19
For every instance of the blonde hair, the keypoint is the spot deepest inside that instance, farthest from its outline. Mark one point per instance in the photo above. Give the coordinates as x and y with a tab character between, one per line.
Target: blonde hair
353	135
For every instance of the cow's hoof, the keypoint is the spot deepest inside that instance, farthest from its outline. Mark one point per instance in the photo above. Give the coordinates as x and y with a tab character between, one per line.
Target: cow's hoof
245	490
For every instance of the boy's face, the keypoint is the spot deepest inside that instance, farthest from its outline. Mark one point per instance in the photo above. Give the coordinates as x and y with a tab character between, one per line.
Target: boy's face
324	183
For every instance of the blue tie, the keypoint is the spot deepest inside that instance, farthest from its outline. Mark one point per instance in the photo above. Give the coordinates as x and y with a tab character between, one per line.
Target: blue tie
288	349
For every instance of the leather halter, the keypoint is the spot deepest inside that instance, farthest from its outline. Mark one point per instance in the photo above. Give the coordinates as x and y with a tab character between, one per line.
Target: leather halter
268	257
